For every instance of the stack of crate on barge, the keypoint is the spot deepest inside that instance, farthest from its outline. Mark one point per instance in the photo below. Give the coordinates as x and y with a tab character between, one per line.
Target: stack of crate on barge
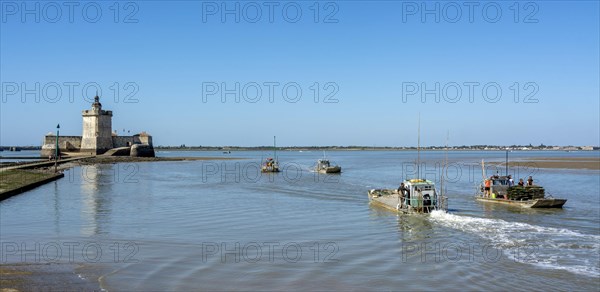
525	193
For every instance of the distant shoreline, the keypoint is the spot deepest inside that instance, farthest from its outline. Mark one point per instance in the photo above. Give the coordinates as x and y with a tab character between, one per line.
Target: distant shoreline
225	149
511	148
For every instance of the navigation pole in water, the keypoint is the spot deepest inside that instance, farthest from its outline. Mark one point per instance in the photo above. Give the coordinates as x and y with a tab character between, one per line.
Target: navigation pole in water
506	166
57	149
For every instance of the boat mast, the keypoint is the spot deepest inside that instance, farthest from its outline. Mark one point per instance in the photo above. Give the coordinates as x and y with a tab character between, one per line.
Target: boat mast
444	170
275	148
419	147
482	169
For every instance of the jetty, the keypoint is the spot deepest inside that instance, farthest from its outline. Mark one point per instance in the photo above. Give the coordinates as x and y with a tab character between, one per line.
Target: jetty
16	179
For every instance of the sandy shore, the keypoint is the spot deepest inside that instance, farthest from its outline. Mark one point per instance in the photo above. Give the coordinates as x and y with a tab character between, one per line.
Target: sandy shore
556	162
43	277
591	158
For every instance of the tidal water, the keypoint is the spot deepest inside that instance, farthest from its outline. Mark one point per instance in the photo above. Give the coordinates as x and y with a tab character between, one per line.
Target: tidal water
222	225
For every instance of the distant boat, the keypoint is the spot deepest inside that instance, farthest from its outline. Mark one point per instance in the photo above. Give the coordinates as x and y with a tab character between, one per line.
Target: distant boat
271	164
324	166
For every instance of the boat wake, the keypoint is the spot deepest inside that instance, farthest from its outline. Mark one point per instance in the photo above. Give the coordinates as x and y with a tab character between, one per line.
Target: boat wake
545	247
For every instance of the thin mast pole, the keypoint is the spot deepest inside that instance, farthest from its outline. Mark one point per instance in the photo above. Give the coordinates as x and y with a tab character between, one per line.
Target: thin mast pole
419	147
444	170
57	150
483	170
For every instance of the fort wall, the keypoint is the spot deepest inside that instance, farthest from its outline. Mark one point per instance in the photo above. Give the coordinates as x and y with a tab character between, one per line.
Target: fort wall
97	136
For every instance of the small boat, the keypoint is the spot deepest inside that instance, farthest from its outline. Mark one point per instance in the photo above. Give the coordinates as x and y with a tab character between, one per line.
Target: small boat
271	164
324	166
527	196
413	196
524	196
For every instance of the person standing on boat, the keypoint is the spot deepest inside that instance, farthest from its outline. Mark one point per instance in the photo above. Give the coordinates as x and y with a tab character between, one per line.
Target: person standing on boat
404	190
401	188
521	182
511	182
401	193
530	181
488	183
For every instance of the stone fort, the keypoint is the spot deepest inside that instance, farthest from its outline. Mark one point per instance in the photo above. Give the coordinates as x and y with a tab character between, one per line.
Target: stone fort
98	138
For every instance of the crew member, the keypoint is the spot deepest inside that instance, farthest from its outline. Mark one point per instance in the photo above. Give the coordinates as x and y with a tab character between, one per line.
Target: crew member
488	183
530	181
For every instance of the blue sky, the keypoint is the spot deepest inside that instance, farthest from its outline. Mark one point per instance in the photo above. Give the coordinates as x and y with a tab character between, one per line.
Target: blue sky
368	55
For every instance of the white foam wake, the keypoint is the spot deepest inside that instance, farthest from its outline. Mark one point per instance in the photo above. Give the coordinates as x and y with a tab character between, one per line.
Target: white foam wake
547	247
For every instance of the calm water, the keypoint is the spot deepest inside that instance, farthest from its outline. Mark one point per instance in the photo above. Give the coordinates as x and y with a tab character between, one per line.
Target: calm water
221	225
8	156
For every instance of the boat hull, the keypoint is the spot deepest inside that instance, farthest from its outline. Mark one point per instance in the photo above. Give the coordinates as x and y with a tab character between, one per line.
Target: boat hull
391	200
331	169
535	203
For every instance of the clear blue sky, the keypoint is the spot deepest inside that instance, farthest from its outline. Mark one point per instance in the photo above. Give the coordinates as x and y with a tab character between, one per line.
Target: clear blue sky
372	52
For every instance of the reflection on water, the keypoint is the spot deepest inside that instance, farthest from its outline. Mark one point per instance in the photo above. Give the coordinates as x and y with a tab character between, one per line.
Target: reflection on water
57	209
96	186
